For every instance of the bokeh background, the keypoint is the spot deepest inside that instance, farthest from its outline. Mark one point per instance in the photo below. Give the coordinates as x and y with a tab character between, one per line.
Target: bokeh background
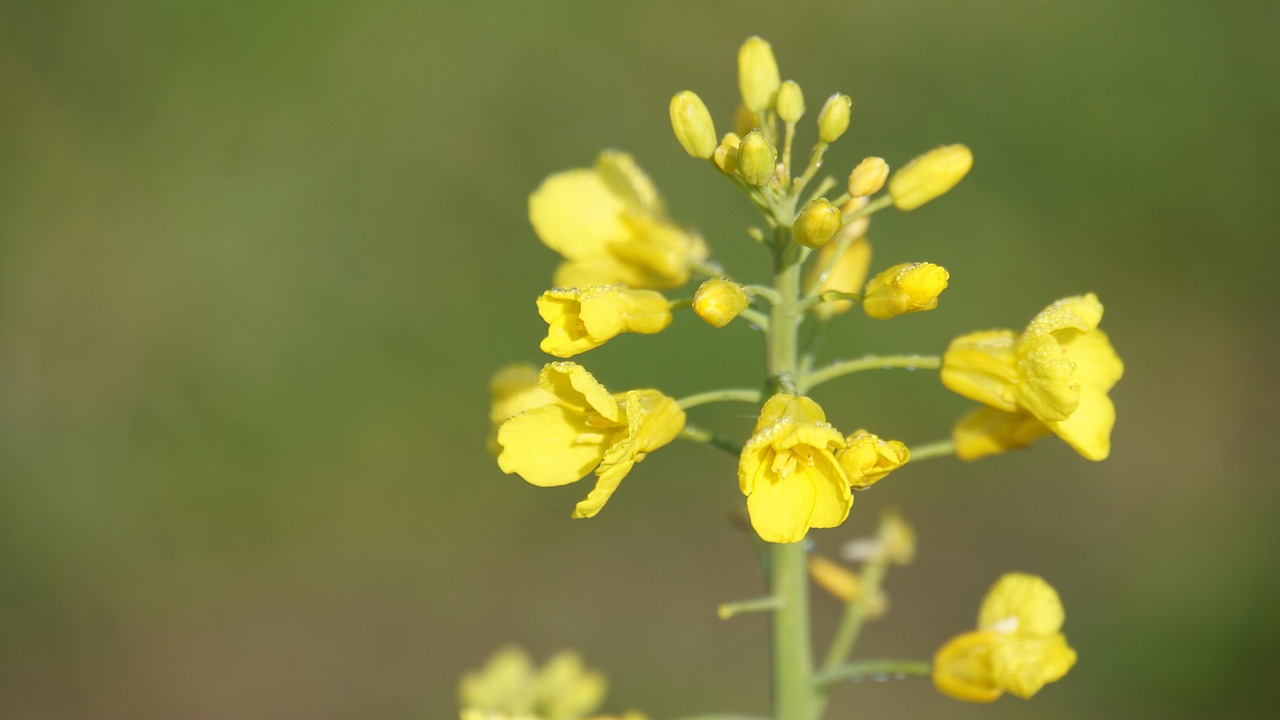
258	259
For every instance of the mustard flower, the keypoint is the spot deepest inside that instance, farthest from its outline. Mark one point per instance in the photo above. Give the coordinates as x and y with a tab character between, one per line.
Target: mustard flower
789	473
905	288
1056	373
1017	647
610	225
585	427
579	320
509	687
867	459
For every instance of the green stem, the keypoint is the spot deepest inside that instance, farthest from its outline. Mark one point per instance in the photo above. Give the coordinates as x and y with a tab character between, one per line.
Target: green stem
693	433
871	362
755	317
732	609
928	451
876	205
855	616
856	671
722	716
714	396
828	296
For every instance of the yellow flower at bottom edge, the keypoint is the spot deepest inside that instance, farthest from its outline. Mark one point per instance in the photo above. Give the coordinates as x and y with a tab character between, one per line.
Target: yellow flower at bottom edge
789	473
579	320
586	427
1017	647
1058	370
509	687
610	225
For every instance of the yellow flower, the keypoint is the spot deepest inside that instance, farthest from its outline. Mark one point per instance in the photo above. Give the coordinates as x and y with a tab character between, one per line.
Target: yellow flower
789	473
510	688
586	427
905	288
1017	647
867	459
1058	371
610	225
579	320
513	389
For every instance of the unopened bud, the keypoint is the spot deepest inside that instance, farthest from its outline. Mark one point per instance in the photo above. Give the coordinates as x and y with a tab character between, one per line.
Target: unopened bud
790	102
757	159
833	119
835	578
726	155
929	176
905	288
868	177
867	459
692	125
817	223
757	75
719	301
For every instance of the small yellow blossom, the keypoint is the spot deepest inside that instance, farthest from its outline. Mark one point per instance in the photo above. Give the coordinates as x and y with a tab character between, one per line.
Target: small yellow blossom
817	223
758	77
579	320
585	428
905	288
510	688
838	580
1017	647
719	301
513	389
726	155
867	459
1058	370
833	119
692	125
868	177
929	176
846	274
789	473
610	225
790	102
757	159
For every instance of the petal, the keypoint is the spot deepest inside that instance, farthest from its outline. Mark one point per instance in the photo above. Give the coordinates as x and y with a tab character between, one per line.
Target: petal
661	421
755	460
1097	364
1081	313
780	508
1046	386
1022	604
617	462
833	498
566	334
1088	430
514	389
987	431
628	182
604	270
1023	665
544	446
576	388
980	366
962	668
575	214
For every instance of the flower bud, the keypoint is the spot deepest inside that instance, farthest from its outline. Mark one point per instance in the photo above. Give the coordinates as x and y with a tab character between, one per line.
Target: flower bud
790	102
719	301
692	125
726	155
868	177
817	223
833	119
866	459
929	176
757	159
905	288
757	75
835	578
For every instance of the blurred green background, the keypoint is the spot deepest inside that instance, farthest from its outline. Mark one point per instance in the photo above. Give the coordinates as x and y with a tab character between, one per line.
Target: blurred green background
258	259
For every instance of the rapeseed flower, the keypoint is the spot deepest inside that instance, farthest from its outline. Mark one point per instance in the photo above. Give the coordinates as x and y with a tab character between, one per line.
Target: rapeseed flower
1056	373
610	224
789	473
1017	647
585	428
866	459
579	320
509	687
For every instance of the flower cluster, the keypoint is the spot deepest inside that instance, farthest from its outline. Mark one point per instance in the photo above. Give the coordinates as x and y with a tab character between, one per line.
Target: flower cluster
509	687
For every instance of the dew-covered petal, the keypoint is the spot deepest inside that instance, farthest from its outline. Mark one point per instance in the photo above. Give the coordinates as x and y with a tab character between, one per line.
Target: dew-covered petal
981	367
1045	384
1088	430
576	388
550	445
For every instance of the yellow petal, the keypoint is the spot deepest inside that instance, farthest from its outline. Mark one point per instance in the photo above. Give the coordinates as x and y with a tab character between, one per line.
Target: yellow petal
660	423
846	275
653	420
1022	604
567	334
1045	384
780	508
628	182
987	431
546	447
1088	430
1023	665
1097	365
514	389
1081	313
962	668
575	214
867	459
835	578
980	366
577	389
832	499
